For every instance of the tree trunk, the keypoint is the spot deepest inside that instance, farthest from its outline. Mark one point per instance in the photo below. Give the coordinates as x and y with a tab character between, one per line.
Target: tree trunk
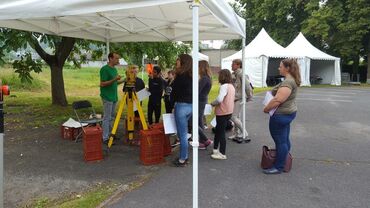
356	62
58	94
56	63
368	61
368	67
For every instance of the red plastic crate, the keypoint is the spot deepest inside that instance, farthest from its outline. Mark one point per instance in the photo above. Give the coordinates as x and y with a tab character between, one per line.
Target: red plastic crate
158	126
92	143
93	156
151	146
69	133
167	149
137	127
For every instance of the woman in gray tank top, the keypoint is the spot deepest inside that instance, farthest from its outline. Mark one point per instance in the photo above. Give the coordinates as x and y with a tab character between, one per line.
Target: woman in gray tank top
286	109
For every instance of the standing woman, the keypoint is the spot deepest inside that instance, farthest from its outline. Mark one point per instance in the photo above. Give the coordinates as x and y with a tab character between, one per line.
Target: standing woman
205	85
284	100
182	88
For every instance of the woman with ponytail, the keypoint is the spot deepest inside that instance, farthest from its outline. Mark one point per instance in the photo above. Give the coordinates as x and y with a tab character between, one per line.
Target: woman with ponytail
284	100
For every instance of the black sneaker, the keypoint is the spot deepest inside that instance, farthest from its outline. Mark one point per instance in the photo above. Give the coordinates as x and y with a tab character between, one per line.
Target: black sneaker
247	140
238	140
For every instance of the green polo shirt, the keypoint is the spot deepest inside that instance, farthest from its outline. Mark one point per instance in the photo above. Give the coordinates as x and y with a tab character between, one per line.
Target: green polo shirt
109	92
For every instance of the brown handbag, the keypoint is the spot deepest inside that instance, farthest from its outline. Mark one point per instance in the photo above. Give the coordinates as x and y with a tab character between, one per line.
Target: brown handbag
268	158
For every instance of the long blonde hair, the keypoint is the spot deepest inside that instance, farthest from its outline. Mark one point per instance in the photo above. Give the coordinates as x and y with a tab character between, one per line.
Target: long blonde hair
293	69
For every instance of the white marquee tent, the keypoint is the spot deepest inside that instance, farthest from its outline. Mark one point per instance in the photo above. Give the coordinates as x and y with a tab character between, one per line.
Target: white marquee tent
131	21
202	57
122	20
314	63
257	54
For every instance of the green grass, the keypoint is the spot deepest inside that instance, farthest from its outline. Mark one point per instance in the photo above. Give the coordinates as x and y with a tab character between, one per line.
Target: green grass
30	104
91	198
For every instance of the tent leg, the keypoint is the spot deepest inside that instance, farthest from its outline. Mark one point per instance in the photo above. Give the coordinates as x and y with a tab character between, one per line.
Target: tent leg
243	87
195	7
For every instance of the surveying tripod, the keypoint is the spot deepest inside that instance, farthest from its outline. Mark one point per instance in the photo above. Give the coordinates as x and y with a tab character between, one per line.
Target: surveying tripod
129	97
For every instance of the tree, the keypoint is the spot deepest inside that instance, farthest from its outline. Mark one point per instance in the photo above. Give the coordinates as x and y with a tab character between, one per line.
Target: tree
67	49
343	26
166	52
339	27
281	19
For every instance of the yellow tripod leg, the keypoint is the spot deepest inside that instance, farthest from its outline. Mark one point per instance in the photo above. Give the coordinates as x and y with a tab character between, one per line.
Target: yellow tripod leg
118	117
130	116
140	110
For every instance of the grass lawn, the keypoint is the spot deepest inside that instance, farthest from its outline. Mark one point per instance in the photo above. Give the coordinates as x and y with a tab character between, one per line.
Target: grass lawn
34	99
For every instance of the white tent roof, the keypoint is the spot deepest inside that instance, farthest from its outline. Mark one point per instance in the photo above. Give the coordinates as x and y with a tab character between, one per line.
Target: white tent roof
261	45
201	56
122	20
300	47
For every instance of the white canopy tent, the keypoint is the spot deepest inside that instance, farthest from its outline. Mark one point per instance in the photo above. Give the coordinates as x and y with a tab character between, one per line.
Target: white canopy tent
131	21
202	57
257	57
122	20
314	63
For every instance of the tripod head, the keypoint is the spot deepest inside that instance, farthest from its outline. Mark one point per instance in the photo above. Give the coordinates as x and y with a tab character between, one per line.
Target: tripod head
130	78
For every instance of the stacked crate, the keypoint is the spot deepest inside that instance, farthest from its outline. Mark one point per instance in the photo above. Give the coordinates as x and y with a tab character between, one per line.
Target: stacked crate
166	139
151	146
92	143
137	127
69	133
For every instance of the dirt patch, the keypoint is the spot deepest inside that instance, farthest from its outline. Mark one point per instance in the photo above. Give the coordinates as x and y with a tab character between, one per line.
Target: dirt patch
39	164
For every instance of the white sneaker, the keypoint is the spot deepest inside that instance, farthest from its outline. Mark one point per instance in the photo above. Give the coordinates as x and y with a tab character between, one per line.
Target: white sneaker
218	156
215	152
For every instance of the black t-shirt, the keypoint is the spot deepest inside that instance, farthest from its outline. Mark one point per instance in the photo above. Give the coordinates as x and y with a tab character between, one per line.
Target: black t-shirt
155	89
182	88
139	84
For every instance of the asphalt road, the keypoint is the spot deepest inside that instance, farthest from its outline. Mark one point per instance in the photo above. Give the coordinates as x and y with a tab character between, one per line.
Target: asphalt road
331	166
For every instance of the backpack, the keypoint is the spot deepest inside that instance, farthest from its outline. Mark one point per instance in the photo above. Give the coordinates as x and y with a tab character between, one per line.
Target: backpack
248	88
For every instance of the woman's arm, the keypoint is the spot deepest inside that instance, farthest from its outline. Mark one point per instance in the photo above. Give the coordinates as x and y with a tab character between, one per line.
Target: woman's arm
281	96
221	95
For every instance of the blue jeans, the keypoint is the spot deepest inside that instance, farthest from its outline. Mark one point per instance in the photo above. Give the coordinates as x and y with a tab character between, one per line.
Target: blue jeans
280	129
183	112
108	117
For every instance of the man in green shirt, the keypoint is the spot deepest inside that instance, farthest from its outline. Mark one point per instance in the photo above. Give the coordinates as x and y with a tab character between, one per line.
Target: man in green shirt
109	79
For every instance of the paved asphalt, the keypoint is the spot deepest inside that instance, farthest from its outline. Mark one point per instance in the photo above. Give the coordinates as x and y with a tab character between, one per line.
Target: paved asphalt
331	166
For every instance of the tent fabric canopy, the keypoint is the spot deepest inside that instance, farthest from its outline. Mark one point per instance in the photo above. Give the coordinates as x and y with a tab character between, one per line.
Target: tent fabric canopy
203	57
123	20
310	51
314	63
263	47
257	53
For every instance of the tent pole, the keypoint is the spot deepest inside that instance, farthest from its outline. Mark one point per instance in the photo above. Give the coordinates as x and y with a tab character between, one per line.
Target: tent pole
195	9
107	43
143	65
243	87
107	48
1	148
